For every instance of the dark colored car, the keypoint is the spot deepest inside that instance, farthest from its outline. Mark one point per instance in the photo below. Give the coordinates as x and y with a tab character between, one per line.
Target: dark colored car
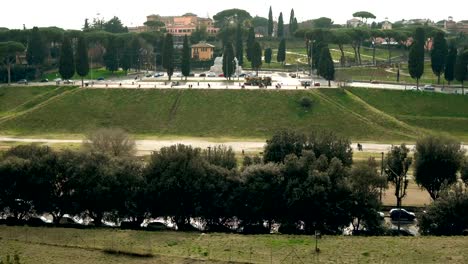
402	232
202	75
130	225
157	226
100	79
217	228
44	80
254	229
401	214
35	221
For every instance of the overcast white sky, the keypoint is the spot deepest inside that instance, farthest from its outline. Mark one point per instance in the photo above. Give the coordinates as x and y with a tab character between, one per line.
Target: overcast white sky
71	14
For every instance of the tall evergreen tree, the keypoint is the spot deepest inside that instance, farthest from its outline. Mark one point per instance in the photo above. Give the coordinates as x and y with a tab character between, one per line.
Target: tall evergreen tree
295	26
239	45
229	64
257	57
461	68
416	56
111	57
281	56
268	55
81	61
270	23
326	68
66	62
86	25
280	31
250	43
186	54
168	55
126	60
449	73
438	54
135	53
292	28
36	51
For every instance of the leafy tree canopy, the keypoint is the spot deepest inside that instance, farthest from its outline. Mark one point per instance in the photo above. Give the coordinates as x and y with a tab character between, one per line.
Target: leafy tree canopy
364	15
226	17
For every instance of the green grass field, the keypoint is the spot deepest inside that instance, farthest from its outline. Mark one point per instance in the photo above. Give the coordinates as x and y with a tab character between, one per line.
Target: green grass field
58	245
361	114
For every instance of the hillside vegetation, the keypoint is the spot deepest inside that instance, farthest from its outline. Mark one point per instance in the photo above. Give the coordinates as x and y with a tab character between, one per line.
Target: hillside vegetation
362	114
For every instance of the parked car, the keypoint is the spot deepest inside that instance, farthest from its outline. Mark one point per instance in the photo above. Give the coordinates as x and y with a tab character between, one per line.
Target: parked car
158	74
23	81
35	221
374	82
401	214
130	225
292	75
221	75
157	226
100	79
202	75
429	88
68	82
148	75
44	80
210	74
381	215
254	229
402	232
414	88
316	84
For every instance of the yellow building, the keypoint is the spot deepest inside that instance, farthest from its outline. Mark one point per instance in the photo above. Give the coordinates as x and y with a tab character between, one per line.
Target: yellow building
202	51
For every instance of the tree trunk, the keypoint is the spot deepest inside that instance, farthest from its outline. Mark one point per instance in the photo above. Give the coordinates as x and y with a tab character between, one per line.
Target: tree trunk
359	54
82	81
355	55
329	83
342	59
417	83
373	54
438	79
9	73
390	55
463	89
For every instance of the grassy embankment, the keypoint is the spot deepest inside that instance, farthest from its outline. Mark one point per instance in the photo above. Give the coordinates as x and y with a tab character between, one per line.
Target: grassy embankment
361	114
58	245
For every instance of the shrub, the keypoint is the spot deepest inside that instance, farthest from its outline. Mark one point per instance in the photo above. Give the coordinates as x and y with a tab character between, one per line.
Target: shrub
306	102
448	214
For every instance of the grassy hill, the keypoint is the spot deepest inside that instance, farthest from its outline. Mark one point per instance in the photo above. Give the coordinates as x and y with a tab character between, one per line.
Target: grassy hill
362	114
59	245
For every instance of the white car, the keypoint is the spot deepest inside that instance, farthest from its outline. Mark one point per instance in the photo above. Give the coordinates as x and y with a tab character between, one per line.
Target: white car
414	88
429	88
210	74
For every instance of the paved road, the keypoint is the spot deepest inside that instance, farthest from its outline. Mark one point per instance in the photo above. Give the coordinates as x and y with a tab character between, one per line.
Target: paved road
147	146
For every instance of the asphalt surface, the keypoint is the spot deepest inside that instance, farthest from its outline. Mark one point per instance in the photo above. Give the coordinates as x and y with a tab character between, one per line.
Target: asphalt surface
147	146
